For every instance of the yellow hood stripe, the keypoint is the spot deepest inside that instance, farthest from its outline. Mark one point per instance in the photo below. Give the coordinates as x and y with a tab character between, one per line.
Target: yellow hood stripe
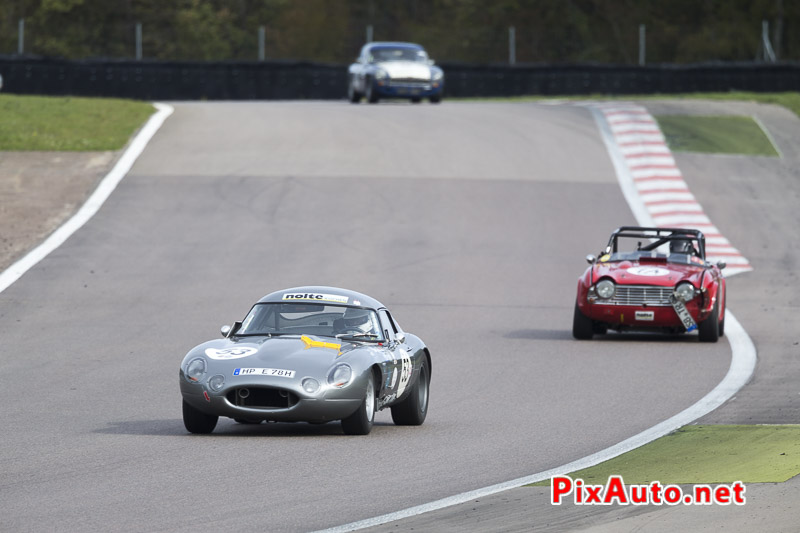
311	343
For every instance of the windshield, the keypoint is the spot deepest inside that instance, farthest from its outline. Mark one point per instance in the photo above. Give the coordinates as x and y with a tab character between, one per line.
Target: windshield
327	320
378	55
674	250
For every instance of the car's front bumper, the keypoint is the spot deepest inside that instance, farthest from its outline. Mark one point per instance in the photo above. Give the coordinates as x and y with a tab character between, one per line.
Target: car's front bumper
640	316
408	89
295	404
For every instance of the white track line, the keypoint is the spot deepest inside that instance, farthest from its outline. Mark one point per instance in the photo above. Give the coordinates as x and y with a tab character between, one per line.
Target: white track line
743	362
93	203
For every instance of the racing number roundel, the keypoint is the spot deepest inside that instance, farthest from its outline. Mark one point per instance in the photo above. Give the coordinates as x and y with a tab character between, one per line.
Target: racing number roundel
230	353
648	271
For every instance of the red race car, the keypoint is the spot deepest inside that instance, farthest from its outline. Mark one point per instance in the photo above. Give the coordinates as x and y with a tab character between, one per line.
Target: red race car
651	279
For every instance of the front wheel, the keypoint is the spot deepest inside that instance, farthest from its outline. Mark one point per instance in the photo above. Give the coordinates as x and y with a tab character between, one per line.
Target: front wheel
352	95
360	422
708	329
369	92
435	99
582	326
412	410
197	421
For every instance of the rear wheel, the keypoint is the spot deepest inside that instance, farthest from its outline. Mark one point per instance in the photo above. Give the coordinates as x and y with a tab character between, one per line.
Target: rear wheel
435	99
196	421
709	328
360	422
412	410
582	325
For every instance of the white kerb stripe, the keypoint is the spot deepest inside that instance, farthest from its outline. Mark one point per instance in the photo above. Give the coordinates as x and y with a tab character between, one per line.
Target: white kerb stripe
630	138
92	205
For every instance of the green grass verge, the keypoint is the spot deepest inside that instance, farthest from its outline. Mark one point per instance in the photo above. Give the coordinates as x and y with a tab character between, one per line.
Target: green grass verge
789	100
715	134
68	123
707	454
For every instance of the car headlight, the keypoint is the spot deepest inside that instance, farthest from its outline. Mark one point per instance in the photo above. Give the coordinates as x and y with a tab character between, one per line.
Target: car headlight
216	383
437	75
310	385
195	370
340	375
605	289
684	291
381	74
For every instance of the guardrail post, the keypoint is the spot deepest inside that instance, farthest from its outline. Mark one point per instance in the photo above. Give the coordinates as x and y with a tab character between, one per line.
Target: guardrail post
262	33
138	41
641	44
512	45
369	33
21	37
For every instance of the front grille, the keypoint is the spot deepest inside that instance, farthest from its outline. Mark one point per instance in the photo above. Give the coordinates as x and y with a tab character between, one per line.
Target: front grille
409	83
638	295
262	398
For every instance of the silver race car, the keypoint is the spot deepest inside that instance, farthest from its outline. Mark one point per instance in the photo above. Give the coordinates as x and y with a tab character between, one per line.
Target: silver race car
308	354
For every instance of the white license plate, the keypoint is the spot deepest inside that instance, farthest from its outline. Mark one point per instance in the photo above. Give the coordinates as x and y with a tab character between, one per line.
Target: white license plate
683	314
645	315
279	372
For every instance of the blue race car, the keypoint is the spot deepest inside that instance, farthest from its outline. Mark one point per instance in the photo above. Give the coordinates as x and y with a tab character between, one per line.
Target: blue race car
394	70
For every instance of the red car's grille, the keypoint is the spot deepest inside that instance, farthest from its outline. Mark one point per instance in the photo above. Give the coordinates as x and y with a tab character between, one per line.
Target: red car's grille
637	295
262	398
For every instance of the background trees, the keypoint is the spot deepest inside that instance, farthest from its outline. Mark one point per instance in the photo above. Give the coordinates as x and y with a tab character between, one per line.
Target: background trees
471	31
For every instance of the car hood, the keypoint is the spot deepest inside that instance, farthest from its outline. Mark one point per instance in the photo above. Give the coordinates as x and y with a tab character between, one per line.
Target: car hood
650	272
410	70
295	352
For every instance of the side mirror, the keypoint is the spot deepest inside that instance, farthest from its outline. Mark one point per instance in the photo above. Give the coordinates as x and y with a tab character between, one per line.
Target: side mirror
228	331
401	337
591	259
721	264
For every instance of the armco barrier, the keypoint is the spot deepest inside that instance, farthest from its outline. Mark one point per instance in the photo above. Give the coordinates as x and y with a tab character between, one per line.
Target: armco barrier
288	80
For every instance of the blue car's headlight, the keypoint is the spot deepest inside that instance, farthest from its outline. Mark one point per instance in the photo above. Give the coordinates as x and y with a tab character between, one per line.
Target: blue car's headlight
195	370
381	74
340	375
437	75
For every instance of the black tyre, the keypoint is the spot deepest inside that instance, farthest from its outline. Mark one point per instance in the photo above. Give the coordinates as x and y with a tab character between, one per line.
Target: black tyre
435	99
582	326
412	410
724	314
197	421
708	329
352	95
416	100
360	422
369	92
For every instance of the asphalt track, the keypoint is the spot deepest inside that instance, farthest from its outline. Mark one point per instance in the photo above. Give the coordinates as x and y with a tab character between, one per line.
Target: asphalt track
470	221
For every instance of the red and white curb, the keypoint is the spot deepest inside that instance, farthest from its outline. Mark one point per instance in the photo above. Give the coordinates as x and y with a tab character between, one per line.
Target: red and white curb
654	177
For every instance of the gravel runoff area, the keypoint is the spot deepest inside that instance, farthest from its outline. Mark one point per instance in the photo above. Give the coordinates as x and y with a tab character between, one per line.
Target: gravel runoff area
41	190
